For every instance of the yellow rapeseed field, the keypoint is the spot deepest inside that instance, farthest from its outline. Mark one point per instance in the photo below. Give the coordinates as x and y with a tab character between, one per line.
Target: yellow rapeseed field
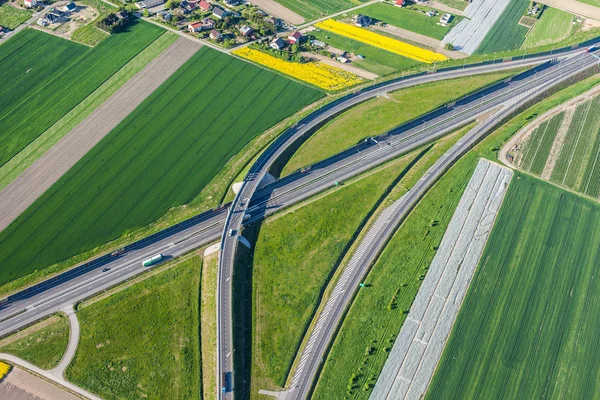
316	73
383	42
4	369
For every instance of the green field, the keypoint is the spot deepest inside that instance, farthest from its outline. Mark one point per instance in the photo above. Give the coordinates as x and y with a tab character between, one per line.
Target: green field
380	115
553	26
208	325
595	3
143	341
89	34
375	60
528	327
161	156
44	346
34	67
506	34
11	17
308	243
42	108
409	18
575	158
458	4
314	9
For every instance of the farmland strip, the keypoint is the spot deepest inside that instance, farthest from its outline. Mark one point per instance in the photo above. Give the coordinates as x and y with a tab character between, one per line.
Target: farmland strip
557	146
24	190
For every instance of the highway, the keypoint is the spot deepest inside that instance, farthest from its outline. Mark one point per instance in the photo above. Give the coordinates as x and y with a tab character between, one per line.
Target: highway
513	97
282	193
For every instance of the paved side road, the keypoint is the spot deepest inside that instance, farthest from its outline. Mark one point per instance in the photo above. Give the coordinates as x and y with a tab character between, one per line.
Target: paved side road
40	176
74	333
418	348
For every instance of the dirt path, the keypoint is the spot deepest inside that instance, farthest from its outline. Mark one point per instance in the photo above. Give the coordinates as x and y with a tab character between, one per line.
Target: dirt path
22	385
558	144
346	67
432	43
32	183
445	8
575	7
279	11
524	133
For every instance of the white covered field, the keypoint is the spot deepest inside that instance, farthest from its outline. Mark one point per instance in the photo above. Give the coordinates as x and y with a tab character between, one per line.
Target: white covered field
418	348
480	16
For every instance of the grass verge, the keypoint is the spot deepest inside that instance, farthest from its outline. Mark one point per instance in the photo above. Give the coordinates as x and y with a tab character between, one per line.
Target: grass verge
208	325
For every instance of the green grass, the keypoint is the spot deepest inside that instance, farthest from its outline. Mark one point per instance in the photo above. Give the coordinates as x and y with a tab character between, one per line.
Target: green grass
314	9
530	318
20	162
376	60
408	18
553	26
380	115
506	34
307	243
27	65
208	326
144	340
88	34
458	4
410	250
211	108
540	144
595	3
11	17
44	346
39	111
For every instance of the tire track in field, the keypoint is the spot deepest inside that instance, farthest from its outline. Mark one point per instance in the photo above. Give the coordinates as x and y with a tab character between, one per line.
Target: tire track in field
49	168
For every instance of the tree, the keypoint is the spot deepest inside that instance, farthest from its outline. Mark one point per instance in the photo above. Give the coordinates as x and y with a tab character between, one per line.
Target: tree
146	13
449	46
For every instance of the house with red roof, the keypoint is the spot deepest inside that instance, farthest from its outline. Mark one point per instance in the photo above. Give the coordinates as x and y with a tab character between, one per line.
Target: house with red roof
204	5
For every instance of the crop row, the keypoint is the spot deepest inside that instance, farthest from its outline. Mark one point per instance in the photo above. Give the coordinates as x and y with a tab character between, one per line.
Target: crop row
531	315
506	34
315	73
381	41
59	95
541	144
161	156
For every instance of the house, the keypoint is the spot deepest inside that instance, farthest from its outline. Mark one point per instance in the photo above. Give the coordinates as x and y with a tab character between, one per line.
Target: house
190	6
277	44
204	5
219	12
195	27
69	8
149	3
215	35
295	37
319	44
273	21
166	15
30	3
207	24
400	3
232	3
122	14
43	21
245	30
446	18
361	20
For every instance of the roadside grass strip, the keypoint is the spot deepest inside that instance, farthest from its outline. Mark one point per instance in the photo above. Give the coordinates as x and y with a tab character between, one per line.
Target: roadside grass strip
40	110
26	157
44	346
506	34
316	73
480	17
553	26
144	341
418	348
381	41
159	157
530	318
29	60
408	18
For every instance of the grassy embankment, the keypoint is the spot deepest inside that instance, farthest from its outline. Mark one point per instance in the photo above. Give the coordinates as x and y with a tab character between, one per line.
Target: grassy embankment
576	165
208	325
553	26
20	162
37	112
382	114
410	18
530	318
11	17
42	344
403	262
506	34
375	60
295	255
136	183
143	340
